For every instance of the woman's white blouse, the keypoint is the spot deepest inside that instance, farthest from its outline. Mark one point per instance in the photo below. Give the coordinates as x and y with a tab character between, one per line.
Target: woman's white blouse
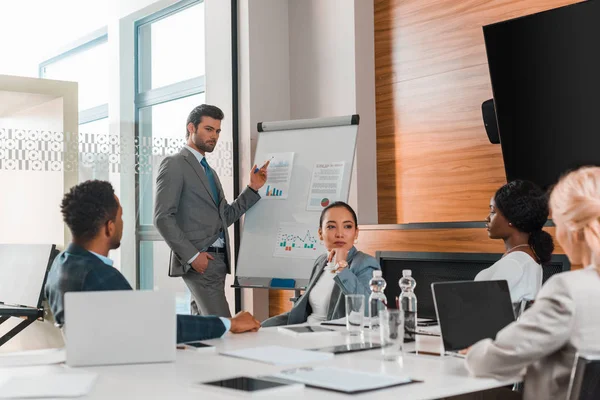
519	269
319	297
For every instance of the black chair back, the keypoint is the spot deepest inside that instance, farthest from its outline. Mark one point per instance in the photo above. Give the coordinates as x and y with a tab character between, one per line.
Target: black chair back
585	378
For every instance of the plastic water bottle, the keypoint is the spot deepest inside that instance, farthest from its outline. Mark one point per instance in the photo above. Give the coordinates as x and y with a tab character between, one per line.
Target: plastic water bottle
377	299
408	303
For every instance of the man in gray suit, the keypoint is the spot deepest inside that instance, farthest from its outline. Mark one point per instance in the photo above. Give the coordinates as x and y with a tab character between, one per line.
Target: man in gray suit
192	214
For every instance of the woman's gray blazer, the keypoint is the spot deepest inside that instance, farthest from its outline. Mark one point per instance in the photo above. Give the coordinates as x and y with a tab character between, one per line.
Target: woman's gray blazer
543	343
352	280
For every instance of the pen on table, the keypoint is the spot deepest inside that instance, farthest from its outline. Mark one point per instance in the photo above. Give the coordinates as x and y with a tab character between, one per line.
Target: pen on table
258	169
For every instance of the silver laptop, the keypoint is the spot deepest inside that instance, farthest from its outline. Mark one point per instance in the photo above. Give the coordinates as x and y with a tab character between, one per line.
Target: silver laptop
470	311
120	327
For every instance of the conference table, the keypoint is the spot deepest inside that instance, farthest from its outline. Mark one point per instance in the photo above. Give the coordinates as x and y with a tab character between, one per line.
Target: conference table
440	376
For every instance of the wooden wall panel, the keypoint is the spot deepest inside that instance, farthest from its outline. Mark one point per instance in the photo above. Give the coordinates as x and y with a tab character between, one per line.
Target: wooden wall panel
435	163
468	240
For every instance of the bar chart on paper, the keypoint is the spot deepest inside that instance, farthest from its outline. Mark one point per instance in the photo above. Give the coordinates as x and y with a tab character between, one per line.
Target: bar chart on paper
297	241
279	174
273	192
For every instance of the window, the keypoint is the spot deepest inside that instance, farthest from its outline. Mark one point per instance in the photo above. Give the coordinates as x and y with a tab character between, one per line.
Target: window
98	149
88	66
170	83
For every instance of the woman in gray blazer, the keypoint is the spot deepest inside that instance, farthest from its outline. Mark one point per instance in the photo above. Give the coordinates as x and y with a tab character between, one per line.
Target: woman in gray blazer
565	318
342	270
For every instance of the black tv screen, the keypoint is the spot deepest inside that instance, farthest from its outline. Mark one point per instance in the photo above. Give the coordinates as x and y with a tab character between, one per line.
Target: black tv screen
545	74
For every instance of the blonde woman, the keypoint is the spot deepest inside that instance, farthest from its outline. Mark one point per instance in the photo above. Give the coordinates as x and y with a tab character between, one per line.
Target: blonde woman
565	317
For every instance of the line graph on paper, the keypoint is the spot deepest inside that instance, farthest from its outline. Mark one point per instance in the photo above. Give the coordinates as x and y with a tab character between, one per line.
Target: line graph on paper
297	241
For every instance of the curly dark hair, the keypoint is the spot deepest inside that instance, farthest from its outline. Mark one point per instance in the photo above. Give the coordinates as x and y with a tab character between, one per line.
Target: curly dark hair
87	207
203	110
525	205
338	204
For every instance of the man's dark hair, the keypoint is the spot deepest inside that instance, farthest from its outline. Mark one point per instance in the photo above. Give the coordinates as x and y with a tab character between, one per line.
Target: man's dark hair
338	204
87	207
203	110
525	205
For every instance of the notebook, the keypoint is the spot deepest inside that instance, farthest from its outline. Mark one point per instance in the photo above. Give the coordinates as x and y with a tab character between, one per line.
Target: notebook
340	379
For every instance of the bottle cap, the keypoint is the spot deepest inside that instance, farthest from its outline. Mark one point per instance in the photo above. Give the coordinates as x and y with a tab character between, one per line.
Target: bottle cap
406	272
376	273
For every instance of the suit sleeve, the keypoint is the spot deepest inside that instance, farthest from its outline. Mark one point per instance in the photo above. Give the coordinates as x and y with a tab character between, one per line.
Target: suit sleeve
169	185
239	206
357	282
278	320
541	330
194	327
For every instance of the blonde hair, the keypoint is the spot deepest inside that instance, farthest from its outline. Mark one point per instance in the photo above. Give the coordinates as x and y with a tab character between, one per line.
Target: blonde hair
575	201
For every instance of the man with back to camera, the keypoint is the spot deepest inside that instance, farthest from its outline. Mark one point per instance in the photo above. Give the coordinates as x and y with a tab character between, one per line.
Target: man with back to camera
93	213
192	214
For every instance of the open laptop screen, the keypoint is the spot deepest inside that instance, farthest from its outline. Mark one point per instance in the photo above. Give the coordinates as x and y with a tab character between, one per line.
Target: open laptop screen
471	311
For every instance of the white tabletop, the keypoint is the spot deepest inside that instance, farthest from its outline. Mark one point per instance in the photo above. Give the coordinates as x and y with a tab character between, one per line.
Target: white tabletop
441	376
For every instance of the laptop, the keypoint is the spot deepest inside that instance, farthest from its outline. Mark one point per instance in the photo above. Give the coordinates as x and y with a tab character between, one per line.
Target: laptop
120	327
23	272
470	311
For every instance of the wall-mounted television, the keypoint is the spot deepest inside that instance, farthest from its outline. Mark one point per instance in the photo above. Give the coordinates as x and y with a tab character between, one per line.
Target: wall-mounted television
545	74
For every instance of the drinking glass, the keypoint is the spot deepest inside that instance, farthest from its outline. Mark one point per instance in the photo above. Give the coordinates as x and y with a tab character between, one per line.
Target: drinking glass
391	333
355	313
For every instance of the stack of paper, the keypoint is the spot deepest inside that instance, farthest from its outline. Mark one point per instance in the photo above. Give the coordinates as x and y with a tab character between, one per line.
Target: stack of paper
42	382
279	355
33	357
341	380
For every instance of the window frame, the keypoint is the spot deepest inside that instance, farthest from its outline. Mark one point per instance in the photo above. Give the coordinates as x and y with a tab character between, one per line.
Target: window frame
84	44
149	98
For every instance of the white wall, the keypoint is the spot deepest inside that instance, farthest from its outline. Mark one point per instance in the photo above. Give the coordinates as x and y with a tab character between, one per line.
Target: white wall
364	190
321	58
329	64
264	90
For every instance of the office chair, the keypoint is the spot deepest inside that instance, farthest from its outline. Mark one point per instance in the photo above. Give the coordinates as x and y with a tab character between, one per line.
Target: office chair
585	378
522	306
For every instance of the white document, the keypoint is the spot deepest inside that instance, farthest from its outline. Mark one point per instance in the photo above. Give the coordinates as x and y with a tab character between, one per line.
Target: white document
303	330
341	380
33	357
278	355
279	174
57	384
342	322
298	241
326	185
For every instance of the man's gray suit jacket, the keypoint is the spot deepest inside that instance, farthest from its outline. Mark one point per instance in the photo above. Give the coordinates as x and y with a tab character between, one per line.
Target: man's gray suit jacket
185	212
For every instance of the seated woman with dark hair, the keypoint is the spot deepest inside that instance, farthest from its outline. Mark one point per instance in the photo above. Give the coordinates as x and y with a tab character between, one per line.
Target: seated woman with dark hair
542	345
350	274
518	212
